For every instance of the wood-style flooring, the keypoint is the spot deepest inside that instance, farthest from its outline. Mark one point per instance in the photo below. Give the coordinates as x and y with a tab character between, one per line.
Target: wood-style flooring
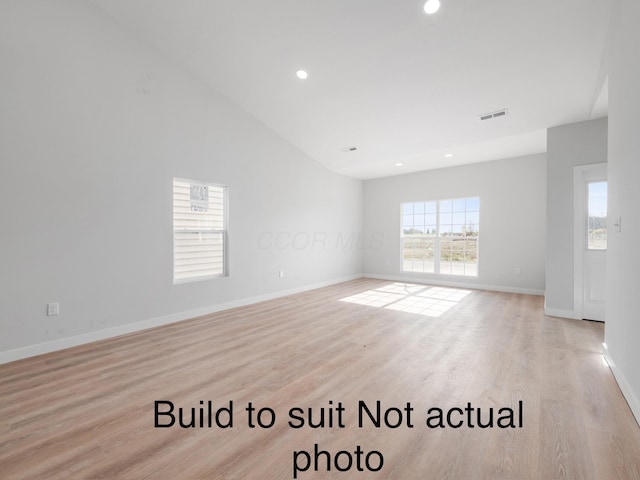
88	412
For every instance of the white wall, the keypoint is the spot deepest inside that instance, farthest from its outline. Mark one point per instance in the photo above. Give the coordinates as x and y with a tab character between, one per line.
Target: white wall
622	330
94	124
581	143
512	220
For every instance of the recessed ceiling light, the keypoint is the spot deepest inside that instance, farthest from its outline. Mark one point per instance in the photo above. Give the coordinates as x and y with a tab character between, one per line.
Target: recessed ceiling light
302	74
399	164
448	155
431	7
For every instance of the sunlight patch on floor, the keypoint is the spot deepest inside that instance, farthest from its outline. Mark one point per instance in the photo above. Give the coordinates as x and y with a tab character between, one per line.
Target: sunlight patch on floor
411	298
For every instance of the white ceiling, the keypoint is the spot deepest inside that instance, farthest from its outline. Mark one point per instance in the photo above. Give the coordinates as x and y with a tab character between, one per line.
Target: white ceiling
396	83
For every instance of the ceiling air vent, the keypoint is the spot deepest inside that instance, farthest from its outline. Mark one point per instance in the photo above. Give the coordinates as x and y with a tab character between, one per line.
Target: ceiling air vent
348	149
489	116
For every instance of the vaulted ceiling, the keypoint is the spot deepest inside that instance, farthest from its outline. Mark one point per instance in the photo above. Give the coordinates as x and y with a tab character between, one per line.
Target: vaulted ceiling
399	85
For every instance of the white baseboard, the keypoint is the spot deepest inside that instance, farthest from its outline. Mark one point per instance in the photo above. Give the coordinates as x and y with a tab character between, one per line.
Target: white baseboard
627	391
60	344
445	283
557	312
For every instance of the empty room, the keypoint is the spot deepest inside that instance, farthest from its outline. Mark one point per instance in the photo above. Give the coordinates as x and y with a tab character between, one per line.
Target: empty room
354	239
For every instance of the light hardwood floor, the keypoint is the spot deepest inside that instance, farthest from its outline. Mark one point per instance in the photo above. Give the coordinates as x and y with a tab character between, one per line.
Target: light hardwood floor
88	412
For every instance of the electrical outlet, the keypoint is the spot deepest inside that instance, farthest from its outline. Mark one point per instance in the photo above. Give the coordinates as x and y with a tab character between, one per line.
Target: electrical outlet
281	274
518	270
53	309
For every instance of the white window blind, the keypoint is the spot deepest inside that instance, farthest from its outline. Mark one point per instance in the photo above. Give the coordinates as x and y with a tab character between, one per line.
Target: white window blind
199	230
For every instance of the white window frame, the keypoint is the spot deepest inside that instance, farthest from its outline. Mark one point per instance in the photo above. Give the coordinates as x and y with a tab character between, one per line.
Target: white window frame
587	226
221	230
438	238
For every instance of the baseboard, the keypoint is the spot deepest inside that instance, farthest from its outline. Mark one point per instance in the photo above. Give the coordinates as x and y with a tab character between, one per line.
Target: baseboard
557	312
61	344
627	391
445	283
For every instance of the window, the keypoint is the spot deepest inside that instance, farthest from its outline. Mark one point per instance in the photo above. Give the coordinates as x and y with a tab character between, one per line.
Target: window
597	206
199	230
441	236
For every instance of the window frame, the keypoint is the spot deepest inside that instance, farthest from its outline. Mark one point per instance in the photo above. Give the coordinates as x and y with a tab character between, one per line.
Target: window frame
587	226
439	236
223	232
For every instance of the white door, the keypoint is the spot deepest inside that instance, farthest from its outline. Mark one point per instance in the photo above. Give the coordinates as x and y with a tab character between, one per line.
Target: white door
590	240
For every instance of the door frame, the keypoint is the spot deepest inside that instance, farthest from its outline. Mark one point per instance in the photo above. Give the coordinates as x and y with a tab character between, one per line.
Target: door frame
582	175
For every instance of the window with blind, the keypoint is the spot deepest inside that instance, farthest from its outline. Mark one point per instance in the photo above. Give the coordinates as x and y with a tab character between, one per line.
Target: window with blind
199	230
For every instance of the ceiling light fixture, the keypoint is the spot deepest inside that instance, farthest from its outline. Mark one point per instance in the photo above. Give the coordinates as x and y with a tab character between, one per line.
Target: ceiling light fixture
448	155
399	164
302	74
431	6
